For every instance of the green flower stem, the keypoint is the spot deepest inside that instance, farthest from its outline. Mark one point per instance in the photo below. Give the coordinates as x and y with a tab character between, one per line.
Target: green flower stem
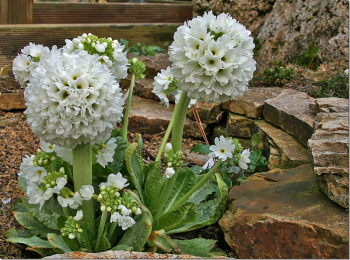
101	229
179	121
66	211
128	104
198	184
111	230
82	175
166	135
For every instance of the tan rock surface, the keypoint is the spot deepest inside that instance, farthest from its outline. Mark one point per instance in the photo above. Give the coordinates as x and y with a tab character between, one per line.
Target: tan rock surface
240	126
282	214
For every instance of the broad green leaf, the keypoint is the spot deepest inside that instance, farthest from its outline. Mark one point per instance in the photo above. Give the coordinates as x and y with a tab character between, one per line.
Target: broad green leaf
12	232
201	148
88	236
197	247
152	185
173	219
58	242
31	242
48	214
22	183
185	181
28	221
122	248
140	143
210	211
100	171
137	235
197	169
254	156
134	168
44	251
202	193
72	243
118	157
105	245
255	139
117	132
262	161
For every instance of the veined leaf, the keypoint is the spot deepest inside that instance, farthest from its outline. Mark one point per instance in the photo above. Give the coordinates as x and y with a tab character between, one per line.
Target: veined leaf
88	236
72	243
208	212
255	139
58	242
44	251
100	171
152	185
201	148
198	247
118	157
173	219
32	242
28	221
22	183
185	181
48	214
137	235
105	245
12	232
117	132
134	168
202	193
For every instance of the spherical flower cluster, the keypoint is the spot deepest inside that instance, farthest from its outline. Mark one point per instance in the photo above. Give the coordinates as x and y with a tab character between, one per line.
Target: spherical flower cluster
75	100
109	52
212	57
27	61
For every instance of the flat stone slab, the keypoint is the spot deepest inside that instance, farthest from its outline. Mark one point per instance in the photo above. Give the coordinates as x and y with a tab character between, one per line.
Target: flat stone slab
151	117
329	150
154	64
330	104
252	102
281	149
208	112
282	214
290	111
10	101
240	126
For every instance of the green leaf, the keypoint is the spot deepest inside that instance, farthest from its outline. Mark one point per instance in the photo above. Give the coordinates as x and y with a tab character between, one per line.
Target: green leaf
28	221
209	211
88	236
204	191
201	148
118	157
12	232
254	156
100	171
152	185
32	242
134	168
197	169
44	251
72	243
137	235
117	132
122	248
255	139
197	247
105	245
48	214
185	181
262	161
22	183
58	242
174	219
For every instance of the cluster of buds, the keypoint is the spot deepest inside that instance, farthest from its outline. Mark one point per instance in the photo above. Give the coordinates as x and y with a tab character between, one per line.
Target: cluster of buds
173	160
43	159
71	226
51	178
137	67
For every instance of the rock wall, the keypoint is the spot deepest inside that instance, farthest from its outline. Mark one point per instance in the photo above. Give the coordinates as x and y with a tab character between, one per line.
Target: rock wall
286	28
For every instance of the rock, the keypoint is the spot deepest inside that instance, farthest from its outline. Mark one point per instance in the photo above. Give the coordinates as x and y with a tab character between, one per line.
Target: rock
151	117
290	111
10	121
208	112
281	149
240	126
8	83
282	214
294	26
9	101
154	64
251	104
252	14
330	104
118	255
329	150
142	88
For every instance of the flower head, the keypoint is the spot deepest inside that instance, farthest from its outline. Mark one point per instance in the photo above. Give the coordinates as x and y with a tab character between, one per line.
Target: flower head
78	216
212	57
105	154
243	159
75	100
169	172
222	149
116	181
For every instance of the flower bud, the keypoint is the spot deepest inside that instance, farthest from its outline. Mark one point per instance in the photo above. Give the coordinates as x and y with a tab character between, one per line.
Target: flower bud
168	147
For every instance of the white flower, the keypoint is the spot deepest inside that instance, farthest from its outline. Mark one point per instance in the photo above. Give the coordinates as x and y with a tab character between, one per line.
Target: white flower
161	85
27	163
46	147
5	201
78	216
71	236
35	174
126	222
177	98
116	181
73	202
209	164
60	183
73	101
65	153
138	211
243	159
86	192
124	210
212	57
222	149
169	172
168	147
100	47
106	153
346	72
115	217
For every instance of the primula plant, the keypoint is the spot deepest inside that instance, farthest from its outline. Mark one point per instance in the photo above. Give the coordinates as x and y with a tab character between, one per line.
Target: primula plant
87	188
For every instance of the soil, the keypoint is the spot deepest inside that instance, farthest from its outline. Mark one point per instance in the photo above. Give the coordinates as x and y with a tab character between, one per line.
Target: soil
16	141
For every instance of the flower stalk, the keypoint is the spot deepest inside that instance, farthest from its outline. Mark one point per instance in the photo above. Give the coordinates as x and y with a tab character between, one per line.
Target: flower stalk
128	105
82	175
101	229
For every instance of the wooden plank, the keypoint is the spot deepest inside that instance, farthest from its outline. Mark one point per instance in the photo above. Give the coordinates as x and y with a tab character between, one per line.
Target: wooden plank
16	11
14	37
67	13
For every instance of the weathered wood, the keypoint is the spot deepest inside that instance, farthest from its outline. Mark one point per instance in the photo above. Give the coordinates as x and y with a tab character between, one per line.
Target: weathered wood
66	13
16	11
14	37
